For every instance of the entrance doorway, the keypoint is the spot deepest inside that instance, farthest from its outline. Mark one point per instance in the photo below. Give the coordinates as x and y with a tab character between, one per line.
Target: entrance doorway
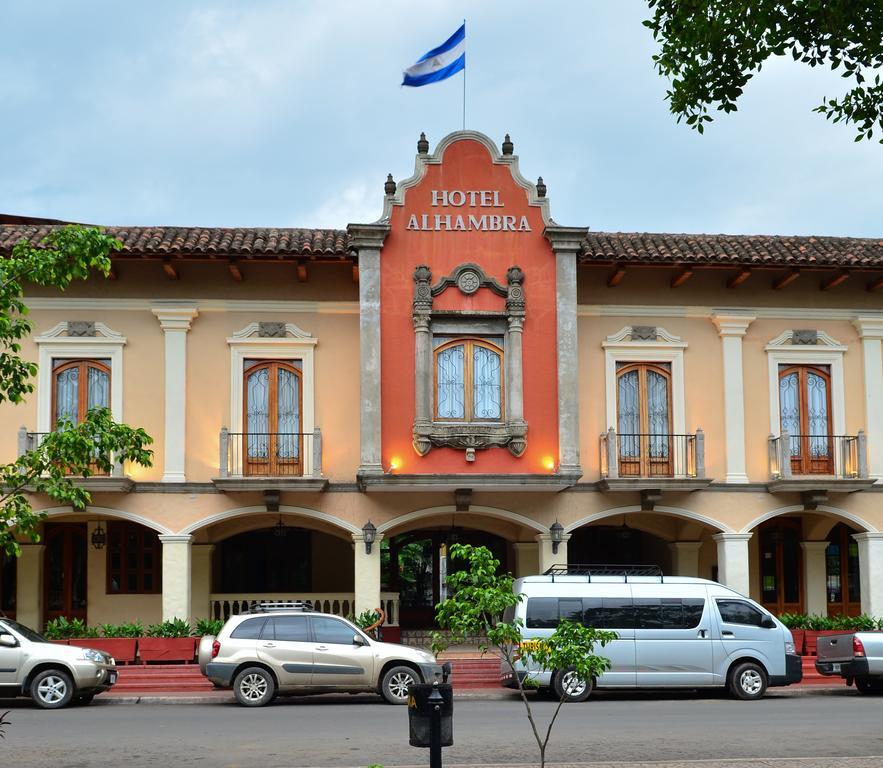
416	565
64	570
617	545
781	566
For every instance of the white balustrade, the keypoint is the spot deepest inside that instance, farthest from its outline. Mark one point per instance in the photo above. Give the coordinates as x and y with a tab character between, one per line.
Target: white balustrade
222	606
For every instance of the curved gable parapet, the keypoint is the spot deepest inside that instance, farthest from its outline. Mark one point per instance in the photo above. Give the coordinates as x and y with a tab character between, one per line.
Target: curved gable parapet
423	161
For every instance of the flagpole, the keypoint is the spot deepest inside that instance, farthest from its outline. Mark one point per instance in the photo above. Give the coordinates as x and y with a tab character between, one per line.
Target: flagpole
464	87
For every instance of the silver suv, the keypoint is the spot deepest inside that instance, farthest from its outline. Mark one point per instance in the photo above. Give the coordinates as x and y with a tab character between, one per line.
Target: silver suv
286	648
52	675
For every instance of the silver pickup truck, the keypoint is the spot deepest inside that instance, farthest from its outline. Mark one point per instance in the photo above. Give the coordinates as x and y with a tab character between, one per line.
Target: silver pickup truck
855	656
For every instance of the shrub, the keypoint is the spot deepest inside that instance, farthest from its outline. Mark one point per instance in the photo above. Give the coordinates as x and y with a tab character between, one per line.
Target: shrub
208	627
364	620
129	630
63	628
794	620
170	628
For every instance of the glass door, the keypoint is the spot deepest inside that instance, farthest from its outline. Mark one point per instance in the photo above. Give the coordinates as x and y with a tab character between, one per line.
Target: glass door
781	566
805	413
64	570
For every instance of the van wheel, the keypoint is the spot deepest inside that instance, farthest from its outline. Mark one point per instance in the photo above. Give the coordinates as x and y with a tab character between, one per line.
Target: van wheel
748	681
569	687
395	683
52	689
254	687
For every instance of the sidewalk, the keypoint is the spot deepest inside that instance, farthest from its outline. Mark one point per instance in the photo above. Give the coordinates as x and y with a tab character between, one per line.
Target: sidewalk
757	762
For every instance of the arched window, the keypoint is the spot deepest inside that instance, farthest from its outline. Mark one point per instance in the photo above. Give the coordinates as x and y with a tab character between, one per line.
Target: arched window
805	413
273	442
469	381
77	387
643	418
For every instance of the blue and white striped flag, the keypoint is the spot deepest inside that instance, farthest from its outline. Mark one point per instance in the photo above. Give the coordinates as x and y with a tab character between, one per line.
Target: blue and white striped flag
440	63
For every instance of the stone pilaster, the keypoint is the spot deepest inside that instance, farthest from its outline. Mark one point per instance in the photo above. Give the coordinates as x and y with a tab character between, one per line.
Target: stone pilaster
176	572
870	563
366	573
870	329
685	557
175	322
814	577
732	561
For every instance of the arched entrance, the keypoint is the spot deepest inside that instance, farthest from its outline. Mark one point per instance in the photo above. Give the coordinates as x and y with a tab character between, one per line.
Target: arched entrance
416	565
618	545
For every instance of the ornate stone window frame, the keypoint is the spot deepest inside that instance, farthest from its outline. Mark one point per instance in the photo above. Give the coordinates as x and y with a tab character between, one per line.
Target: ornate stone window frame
636	344
295	344
58	343
511	431
825	351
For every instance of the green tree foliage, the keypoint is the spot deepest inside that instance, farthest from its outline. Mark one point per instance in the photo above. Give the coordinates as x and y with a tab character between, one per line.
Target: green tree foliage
712	48
93	445
482	602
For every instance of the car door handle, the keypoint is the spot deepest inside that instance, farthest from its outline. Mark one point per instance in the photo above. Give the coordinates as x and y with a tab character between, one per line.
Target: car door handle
321	647
703	633
727	633
268	645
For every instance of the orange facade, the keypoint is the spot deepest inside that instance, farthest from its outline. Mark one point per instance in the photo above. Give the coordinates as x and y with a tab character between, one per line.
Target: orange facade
467	167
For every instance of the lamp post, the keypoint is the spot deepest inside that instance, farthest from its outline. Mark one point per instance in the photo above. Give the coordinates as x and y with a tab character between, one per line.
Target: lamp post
556	531
369	533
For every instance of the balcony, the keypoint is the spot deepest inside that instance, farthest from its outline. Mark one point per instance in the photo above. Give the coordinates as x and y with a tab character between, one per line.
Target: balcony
255	461
99	480
816	465
653	463
222	606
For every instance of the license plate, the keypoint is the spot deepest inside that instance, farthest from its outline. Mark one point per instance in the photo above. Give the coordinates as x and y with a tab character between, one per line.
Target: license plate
112	678
835	667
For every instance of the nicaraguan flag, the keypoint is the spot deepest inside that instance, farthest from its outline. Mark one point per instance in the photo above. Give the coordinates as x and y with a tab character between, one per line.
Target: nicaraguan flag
440	63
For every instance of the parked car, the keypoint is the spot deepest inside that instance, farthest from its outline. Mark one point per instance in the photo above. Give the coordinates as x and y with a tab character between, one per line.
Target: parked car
857	657
286	648
673	632
52	675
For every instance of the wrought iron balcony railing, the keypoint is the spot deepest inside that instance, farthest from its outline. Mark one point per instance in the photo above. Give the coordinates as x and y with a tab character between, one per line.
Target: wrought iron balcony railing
644	456
28	441
842	457
270	454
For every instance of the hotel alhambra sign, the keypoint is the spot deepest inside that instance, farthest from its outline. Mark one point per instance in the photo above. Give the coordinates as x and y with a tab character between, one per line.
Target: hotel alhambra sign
473	200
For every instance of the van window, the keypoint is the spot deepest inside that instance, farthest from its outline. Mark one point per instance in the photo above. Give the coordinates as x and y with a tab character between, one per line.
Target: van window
598	612
739	612
668	612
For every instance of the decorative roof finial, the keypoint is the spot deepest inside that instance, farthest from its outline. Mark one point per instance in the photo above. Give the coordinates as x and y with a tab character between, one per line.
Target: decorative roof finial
508	146
390	186
422	144
541	187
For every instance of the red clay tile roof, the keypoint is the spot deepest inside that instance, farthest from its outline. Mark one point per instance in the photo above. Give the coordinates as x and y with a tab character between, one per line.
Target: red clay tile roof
599	247
717	250
206	242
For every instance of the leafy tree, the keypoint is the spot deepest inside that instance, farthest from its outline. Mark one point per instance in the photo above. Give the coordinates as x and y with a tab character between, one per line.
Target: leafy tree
93	445
712	48
482	602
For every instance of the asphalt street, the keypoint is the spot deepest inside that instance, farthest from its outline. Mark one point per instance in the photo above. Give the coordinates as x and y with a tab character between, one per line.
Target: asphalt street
358	731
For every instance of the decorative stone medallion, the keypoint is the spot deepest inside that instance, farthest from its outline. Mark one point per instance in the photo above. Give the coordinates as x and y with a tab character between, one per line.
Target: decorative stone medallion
468	281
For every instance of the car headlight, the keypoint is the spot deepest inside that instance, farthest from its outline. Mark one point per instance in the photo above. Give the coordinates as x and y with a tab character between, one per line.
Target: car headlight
789	647
96	656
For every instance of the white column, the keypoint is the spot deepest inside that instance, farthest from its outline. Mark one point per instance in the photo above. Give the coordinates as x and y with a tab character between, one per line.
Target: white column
870	329
731	329
366	573
870	563
527	558
685	557
200	579
814	577
548	558
29	586
732	561
175	322
176	566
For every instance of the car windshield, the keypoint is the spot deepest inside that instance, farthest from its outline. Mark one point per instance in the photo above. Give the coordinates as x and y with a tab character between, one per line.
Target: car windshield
25	632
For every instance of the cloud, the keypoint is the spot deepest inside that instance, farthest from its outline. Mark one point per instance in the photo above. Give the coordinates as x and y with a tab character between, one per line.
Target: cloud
357	203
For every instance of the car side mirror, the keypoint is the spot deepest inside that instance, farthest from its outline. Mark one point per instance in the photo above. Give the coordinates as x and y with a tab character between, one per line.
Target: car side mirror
8	641
767	622
359	640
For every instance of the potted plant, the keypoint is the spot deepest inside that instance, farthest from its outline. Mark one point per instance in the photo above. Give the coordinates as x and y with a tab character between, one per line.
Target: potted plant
208	627
169	641
119	640
62	630
796	622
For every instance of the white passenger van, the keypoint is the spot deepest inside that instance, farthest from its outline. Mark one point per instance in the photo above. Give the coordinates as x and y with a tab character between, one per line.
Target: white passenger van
673	632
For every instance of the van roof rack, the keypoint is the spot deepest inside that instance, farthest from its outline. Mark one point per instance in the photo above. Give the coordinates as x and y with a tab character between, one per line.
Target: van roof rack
587	570
266	606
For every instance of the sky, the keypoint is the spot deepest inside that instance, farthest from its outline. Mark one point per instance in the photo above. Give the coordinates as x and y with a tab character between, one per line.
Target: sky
285	113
